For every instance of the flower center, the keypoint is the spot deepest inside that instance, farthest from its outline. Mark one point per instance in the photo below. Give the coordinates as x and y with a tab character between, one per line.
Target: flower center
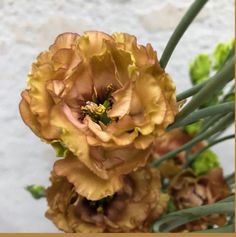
98	110
100	204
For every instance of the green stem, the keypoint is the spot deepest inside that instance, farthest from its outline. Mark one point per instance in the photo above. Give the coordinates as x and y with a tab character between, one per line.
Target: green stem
180	29
204	135
218	81
193	157
179	218
192	91
220	132
230	198
199	114
223	229
210	122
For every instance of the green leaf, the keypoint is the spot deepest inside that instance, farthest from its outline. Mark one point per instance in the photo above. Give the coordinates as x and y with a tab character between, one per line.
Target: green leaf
36	191
194	128
200	69
60	149
221	52
204	162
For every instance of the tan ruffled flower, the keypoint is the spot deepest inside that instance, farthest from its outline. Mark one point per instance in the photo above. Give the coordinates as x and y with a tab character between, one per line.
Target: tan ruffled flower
188	191
132	208
104	97
169	142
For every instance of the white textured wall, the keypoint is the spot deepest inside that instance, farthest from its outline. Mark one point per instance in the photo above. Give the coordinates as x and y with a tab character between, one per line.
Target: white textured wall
29	26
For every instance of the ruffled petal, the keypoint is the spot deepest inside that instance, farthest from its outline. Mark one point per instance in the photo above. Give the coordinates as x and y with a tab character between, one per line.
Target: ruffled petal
26	113
86	183
73	136
64	41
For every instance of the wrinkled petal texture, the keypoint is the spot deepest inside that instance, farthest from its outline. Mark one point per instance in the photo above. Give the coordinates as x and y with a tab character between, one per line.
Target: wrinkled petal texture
96	67
188	190
133	209
169	142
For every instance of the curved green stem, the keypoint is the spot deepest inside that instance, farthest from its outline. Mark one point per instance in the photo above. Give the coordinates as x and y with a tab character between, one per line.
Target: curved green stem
179	218
218	81
223	229
192	91
180	29
204	135
202	113
211	121
193	157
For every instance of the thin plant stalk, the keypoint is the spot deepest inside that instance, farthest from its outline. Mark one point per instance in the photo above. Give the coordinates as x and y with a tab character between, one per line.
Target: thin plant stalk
181	217
223	229
217	82
180	29
194	156
204	135
222	108
194	89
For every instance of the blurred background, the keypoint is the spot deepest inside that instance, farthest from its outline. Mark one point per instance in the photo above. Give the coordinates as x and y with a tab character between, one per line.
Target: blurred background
29	26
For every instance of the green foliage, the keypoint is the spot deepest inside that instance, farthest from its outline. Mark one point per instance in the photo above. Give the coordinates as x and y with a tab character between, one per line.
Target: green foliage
220	53
204	162
200	69
194	128
36	191
204	64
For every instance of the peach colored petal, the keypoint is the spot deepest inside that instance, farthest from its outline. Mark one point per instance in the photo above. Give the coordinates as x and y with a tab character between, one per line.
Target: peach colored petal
65	40
92	43
133	158
127	42
142	142
80	226
73	137
97	130
86	183
122	61
26	113
124	124
103	74
41	101
65	58
80	84
122	101
136	107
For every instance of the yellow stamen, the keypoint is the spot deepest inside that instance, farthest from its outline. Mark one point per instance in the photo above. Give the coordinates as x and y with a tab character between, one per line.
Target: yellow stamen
100	209
93	109
101	109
